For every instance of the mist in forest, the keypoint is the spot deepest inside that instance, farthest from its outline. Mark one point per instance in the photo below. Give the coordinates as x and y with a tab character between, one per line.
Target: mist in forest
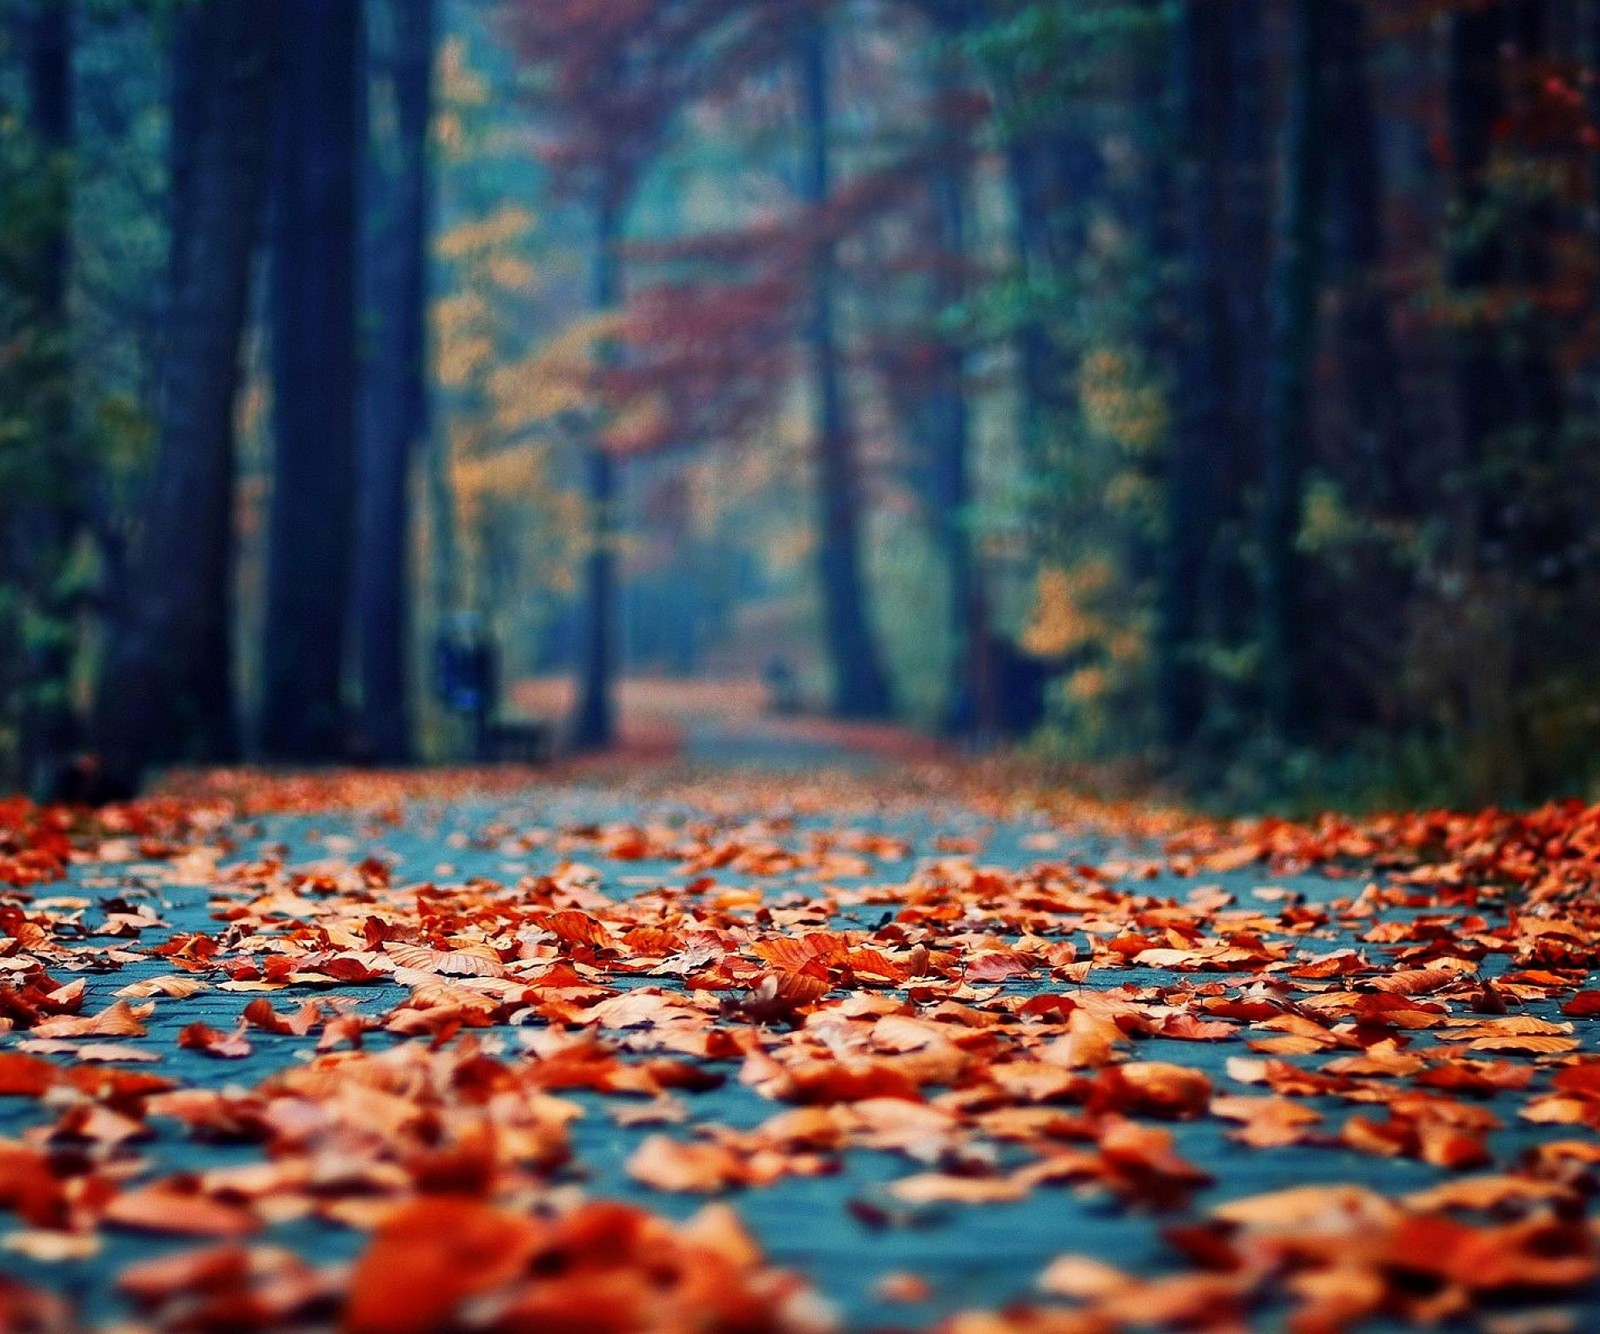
1200	390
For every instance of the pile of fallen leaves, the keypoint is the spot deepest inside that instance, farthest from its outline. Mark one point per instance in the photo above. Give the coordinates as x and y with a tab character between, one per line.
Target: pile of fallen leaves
998	1030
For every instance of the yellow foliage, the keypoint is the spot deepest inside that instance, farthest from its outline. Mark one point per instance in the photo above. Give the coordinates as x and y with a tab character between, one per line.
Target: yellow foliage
1063	619
1088	684
1325	522
462	360
458	313
449	133
1120	407
634	426
459	84
507	225
554	380
512	272
507	472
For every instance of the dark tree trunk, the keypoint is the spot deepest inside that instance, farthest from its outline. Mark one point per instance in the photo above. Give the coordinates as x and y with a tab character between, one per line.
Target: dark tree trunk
953	487
314	385
1053	179
1590	22
1233	586
1507	386
594	728
51	120
860	686
1475	102
1202	351
1296	287
968	704
166	682
1367	351
48	725
395	383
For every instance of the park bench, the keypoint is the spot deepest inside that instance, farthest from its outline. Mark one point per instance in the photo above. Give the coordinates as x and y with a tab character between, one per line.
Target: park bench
519	741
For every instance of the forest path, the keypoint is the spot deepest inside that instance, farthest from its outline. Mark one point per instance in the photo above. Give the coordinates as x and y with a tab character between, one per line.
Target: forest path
904	1034
728	724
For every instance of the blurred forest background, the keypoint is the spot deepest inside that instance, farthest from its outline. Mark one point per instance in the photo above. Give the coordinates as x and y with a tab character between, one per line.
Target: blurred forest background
1206	386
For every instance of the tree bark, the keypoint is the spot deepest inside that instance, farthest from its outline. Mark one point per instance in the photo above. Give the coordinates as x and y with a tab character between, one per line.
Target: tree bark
955	428
594	727
1296	287
395	384
314	386
1366	338
48	725
1508	389
166	682
1202	375
860	685
953	491
50	116
1475	100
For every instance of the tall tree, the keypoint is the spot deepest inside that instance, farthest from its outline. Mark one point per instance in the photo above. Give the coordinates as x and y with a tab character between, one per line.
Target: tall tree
616	79
50	115
1296	286
1507	389
1475	102
1203	52
314	384
860	685
395	384
1365	330
48	725
594	726
951	187
166	682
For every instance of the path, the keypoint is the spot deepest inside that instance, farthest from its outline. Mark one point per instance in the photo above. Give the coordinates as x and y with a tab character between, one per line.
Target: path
976	1046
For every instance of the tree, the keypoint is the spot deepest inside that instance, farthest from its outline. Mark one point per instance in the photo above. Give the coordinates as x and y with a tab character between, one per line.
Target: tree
1499	265
1296	287
860	685
165	689
48	727
1364	331
395	388
615	79
314	385
1203	52
951	186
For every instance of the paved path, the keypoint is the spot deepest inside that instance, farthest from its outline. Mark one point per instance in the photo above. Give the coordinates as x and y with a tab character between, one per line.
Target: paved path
971	1256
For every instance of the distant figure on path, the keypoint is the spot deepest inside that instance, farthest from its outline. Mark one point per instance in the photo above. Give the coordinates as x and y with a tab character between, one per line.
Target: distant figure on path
783	691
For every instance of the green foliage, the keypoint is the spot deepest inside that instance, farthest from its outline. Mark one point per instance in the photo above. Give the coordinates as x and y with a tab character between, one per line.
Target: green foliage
39	486
82	244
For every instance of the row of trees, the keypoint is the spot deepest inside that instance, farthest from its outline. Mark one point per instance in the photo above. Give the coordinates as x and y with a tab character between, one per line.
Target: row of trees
1299	304
1274	319
297	132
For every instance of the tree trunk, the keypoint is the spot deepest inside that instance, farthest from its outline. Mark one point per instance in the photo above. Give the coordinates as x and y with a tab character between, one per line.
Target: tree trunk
594	727
1475	100
952	491
314	386
51	121
48	730
1296	287
1233	585
1202	343
860	686
1053	178
166	682
953	488
1507	386
1366	339
395	384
